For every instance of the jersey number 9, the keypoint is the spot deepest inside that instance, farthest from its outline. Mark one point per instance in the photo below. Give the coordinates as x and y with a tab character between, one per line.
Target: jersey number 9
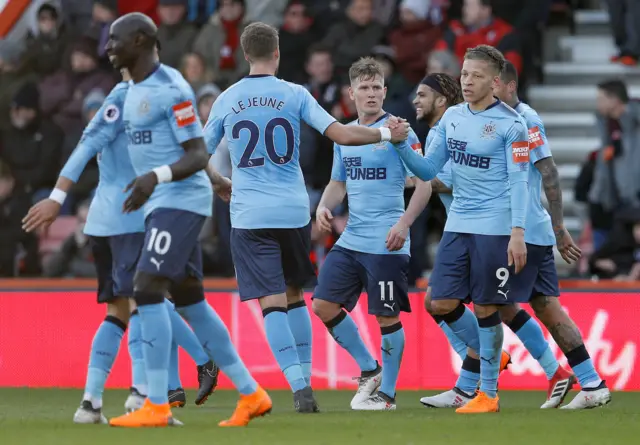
246	161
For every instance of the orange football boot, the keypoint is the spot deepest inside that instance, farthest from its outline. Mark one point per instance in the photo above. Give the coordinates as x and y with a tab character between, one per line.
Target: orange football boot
481	403
150	415
249	407
505	360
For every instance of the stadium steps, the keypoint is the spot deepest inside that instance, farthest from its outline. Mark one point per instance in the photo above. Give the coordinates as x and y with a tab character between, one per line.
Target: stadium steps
592	22
569	98
558	124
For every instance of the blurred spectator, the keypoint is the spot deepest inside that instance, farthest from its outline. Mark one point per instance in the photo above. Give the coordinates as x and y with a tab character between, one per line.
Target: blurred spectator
616	182
201	10
421	26
480	27
103	14
11	77
322	83
354	37
63	93
295	40
624	16
443	61
193	69
77	15
206	96
46	49
75	257
619	256
398	89
219	43
270	12
31	146
176	36
88	180
12	238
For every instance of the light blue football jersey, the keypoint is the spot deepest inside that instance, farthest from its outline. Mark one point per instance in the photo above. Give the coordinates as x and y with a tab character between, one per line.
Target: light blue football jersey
489	151
159	115
539	229
104	137
444	175
375	180
260	116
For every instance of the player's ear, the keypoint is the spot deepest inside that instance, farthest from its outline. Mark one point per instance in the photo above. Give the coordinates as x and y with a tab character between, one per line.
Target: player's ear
276	53
384	93
351	95
441	101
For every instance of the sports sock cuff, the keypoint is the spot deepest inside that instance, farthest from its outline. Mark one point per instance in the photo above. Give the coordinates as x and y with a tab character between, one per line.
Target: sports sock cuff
296	305
490	321
116	321
187	295
145	298
437	318
471	364
134	313
577	355
385	330
454	315
335	321
519	320
269	310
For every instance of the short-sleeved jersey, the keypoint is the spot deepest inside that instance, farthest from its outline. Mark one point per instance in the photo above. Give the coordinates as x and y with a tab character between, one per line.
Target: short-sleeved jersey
260	116
159	115
539	230
375	180
105	138
489	152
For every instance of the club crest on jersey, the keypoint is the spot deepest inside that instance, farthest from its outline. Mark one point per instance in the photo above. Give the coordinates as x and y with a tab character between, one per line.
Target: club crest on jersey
111	113
489	131
144	107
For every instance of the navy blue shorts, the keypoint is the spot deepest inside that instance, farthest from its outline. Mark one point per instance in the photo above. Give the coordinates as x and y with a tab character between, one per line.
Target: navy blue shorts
171	247
476	265
269	260
540	275
116	258
345	273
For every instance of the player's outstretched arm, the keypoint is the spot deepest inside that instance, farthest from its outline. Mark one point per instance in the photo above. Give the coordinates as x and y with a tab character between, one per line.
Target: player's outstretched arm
427	167
353	135
398	233
569	251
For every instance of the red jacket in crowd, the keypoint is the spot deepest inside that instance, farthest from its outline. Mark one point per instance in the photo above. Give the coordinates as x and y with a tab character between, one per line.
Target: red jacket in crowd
498	34
147	7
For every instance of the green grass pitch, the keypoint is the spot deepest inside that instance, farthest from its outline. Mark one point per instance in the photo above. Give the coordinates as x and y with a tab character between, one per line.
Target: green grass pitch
43	417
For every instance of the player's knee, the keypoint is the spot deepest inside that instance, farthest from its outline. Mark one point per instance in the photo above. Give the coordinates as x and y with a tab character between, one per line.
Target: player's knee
385	321
326	310
119	308
295	295
427	301
149	289
187	293
544	307
271	301
446	307
509	312
516	319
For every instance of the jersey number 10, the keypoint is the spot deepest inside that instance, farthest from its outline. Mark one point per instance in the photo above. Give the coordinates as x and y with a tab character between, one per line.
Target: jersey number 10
246	161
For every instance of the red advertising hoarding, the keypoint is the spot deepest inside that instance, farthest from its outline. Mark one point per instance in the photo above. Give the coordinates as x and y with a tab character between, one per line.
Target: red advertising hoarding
45	339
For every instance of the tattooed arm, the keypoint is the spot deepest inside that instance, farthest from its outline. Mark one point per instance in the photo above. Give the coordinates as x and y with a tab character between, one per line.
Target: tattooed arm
551	184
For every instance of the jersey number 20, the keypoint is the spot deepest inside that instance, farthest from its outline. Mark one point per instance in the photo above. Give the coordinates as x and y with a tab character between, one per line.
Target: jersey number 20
246	161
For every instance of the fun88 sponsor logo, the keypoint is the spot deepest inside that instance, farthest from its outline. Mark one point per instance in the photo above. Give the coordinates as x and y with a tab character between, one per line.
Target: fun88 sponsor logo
355	171
458	152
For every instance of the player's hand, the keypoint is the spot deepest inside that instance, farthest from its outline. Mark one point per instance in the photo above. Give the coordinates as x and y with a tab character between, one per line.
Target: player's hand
41	215
397	236
141	189
399	129
569	251
323	219
223	189
517	250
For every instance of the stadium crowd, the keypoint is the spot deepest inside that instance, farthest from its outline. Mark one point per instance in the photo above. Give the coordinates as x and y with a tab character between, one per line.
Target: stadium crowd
54	80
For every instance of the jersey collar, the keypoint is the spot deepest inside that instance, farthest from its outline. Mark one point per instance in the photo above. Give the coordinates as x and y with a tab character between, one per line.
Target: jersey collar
495	104
257	76
384	116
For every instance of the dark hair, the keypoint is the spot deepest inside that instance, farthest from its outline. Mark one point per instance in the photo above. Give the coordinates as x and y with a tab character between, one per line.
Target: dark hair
367	68
448	87
318	48
488	3
259	41
615	88
488	54
509	73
